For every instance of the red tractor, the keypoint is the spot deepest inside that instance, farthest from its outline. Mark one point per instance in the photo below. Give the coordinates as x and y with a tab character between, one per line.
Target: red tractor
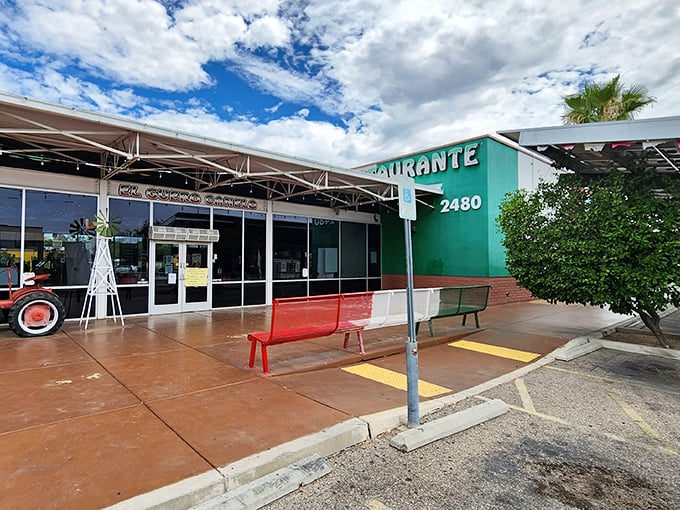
32	310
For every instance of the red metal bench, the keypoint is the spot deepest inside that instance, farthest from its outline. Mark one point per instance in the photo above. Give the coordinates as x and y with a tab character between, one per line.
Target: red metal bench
294	319
355	315
304	318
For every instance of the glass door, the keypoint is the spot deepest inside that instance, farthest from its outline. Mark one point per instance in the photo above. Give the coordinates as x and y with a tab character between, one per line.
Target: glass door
195	277
179	280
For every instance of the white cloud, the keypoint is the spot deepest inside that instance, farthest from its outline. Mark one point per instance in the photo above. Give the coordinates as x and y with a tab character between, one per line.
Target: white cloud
401	75
138	42
267	31
48	84
285	84
294	136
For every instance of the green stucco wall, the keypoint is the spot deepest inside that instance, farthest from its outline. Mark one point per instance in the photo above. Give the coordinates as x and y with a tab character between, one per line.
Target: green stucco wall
458	236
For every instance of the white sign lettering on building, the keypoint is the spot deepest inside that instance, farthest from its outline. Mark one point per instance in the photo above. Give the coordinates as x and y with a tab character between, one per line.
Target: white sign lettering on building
174	196
436	161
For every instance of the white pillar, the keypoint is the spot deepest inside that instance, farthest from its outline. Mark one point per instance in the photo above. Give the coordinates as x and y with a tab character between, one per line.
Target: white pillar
269	254
103	205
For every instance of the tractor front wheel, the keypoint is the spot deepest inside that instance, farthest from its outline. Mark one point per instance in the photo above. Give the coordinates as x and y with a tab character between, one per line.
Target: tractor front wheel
36	314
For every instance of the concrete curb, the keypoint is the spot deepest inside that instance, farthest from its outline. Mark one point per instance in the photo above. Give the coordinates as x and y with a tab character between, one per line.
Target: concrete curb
629	324
324	443
181	495
271	487
640	349
207	486
424	434
576	348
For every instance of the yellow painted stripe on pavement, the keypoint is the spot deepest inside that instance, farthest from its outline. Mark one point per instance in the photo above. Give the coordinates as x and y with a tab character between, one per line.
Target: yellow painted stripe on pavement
589	430
374	504
527	402
494	350
394	379
632	413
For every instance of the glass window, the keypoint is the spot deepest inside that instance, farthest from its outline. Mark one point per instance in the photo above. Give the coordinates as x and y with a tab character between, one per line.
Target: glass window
374	250
254	294
130	246
319	287
254	249
226	294
186	216
353	243
289	289
348	286
227	251
10	234
60	236
323	247
132	300
290	246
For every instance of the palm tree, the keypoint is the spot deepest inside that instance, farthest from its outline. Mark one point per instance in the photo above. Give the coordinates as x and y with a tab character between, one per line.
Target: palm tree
603	102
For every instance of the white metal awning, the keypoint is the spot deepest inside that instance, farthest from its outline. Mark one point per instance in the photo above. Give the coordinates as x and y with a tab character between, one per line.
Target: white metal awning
602	146
58	139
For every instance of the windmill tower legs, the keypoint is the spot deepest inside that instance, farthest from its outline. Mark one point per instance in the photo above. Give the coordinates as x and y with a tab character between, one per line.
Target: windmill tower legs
102	283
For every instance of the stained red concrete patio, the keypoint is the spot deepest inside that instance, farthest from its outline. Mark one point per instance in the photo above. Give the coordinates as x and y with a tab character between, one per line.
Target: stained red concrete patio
91	418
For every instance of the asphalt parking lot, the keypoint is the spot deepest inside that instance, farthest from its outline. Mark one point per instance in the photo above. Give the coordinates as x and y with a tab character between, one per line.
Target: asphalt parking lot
598	432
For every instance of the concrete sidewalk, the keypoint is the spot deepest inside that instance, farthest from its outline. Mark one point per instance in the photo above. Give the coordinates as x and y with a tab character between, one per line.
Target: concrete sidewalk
165	409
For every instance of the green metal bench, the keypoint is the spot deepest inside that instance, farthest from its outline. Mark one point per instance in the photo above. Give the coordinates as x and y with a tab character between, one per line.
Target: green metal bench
457	301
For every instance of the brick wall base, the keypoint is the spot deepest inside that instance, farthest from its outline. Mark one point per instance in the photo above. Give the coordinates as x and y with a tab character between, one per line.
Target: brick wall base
504	289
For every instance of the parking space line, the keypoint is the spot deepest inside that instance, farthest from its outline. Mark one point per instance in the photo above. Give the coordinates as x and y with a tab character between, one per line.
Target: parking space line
632	413
395	379
374	504
532	413
655	447
590	376
527	403
609	379
494	350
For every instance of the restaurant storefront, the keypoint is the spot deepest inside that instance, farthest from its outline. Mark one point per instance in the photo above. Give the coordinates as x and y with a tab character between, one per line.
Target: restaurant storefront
238	251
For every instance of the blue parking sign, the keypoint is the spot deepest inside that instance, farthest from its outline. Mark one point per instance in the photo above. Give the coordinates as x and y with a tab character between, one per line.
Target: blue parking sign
407	198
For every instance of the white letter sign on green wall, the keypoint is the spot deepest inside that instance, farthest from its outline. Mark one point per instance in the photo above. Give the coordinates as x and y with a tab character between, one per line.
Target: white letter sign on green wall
431	162
457	236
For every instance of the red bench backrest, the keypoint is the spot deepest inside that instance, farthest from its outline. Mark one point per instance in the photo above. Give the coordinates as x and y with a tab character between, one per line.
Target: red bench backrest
299	318
355	310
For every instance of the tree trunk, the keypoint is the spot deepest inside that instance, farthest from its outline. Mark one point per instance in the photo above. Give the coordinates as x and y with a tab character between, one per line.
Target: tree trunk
652	321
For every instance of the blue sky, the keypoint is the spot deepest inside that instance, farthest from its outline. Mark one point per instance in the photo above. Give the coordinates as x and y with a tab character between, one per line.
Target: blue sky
340	81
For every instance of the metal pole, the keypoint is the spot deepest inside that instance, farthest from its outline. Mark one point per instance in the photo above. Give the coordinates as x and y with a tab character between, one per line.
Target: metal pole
411	341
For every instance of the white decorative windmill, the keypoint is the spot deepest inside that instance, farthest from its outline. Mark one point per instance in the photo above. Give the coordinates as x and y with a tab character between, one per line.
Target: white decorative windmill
103	278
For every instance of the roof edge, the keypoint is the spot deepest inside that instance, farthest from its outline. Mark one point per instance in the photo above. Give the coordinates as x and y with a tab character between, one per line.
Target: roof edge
135	125
657	128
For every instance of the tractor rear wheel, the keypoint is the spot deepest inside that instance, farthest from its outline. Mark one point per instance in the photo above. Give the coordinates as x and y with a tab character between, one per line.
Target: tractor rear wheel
36	314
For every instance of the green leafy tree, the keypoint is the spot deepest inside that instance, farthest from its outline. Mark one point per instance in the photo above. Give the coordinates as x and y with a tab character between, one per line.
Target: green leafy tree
604	102
613	241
